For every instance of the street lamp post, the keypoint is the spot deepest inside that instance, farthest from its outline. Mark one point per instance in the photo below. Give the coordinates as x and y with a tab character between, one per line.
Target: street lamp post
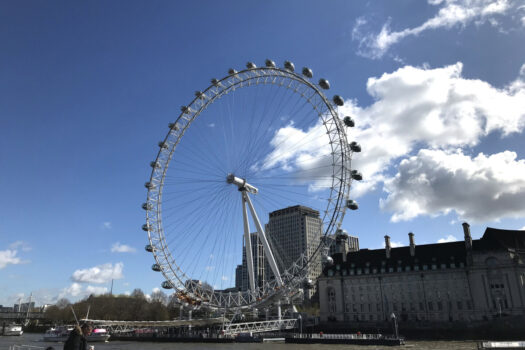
300	318
394	324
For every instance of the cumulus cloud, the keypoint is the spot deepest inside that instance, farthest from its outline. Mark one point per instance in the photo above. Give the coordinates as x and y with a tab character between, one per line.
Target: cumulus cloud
122	248
76	290
9	257
452	13
432	109
73	290
107	225
477	188
99	274
447	239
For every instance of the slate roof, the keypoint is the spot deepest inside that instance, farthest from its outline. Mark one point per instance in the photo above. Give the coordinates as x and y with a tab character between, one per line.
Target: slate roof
428	254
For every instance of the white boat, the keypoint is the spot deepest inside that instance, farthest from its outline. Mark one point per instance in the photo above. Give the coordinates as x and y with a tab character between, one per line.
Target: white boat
61	333
12	329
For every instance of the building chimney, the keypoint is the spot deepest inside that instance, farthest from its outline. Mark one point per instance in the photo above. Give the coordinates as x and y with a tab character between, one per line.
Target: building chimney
387	246
412	244
468	237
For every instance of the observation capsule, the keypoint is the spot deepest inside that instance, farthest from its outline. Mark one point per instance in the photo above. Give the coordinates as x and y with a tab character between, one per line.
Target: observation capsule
163	145
185	109
155	267
349	121
324	84
289	66
250	65
147	206
338	100
351	204
173	126
149	248
232	71
215	82
154	165
356	175
145	227
270	64
354	146
307	72
166	285
149	185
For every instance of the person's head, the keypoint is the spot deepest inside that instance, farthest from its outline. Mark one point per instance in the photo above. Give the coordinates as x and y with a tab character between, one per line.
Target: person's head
86	329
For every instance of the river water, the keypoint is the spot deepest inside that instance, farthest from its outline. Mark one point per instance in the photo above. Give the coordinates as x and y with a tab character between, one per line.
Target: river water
35	340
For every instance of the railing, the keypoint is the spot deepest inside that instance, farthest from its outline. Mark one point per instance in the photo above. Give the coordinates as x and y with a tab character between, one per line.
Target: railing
339	336
259	327
25	347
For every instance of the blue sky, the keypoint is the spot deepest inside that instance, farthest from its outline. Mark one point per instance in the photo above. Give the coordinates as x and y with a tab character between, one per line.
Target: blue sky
87	90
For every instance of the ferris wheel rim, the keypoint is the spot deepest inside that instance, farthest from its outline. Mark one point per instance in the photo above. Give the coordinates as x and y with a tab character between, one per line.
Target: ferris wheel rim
162	254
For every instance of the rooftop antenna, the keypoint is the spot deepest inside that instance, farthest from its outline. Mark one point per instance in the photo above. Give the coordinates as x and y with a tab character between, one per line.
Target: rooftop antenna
111	291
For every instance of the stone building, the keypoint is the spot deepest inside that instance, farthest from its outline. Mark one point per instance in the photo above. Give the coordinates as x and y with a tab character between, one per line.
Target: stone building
465	280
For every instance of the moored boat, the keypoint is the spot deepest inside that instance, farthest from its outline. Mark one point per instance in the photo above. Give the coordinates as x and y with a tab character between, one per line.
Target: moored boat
12	329
60	334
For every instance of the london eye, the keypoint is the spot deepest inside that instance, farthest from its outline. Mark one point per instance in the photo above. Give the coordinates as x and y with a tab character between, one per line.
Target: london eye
251	143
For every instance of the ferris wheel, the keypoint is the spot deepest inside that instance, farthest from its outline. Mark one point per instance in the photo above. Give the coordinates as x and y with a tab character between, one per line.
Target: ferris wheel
253	143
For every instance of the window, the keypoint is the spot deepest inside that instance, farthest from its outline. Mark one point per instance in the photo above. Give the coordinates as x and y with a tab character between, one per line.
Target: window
443	266
430	306
469	305
362	307
378	307
425	267
331	300
407	268
460	305
390	269
440	305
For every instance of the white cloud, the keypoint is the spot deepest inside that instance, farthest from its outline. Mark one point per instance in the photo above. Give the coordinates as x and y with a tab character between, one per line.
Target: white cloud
76	290
420	107
155	290
482	188
210	268
99	274
9	257
20	245
452	13
122	248
73	290
224	278
447	239
107	225
96	290
393	244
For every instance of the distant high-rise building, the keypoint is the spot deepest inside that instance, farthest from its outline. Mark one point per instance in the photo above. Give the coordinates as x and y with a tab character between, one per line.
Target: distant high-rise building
291	232
238	277
242	280
341	242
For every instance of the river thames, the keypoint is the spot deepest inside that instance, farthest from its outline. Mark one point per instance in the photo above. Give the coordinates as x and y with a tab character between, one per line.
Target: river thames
34	340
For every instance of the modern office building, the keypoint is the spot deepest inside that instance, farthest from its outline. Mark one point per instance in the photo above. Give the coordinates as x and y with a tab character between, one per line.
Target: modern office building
258	263
291	232
465	280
